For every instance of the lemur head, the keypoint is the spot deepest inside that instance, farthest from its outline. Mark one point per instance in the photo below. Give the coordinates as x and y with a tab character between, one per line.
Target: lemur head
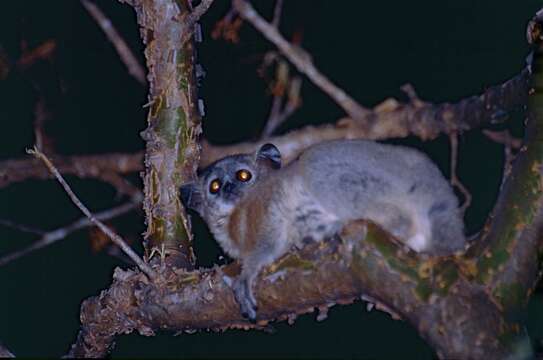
221	185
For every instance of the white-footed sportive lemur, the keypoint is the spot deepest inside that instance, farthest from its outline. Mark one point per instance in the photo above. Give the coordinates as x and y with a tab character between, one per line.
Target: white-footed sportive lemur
257	210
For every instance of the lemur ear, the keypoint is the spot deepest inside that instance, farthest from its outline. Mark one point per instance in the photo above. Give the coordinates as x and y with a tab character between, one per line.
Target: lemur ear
269	153
191	197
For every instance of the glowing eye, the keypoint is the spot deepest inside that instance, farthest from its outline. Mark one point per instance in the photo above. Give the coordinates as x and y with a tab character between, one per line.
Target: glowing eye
215	186
244	175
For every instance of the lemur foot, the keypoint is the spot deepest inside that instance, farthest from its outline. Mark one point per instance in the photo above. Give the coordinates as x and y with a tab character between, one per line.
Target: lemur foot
244	296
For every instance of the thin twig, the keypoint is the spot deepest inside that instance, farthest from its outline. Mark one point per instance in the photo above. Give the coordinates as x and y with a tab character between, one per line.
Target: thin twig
273	119
509	143
426	122
83	166
279	87
277	13
42	52
228	27
21	228
503	137
112	235
455	181
278	115
409	90
5	353
301	59
41	116
50	237
189	20
127	57
198	12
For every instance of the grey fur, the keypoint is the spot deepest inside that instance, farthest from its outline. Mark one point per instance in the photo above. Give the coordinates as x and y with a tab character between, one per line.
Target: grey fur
314	196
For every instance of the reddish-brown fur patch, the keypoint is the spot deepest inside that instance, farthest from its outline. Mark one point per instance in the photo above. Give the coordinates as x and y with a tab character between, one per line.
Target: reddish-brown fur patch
254	213
246	222
234	226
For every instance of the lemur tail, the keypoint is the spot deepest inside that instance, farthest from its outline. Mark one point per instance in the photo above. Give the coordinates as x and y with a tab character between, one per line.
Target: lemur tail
421	240
439	230
447	228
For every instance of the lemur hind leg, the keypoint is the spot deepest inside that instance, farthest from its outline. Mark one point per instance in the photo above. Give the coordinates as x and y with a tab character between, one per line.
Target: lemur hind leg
266	252
243	293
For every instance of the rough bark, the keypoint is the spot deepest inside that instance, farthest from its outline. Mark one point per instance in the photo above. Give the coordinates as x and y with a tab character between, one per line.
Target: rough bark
172	151
432	294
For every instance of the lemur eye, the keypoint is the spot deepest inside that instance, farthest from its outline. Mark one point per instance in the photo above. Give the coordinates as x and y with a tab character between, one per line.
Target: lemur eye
244	175
215	186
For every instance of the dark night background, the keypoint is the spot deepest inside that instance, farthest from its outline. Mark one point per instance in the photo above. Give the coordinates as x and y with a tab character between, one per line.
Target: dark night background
446	49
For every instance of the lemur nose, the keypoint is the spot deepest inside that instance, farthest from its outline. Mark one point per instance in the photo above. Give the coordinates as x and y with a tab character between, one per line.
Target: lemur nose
228	187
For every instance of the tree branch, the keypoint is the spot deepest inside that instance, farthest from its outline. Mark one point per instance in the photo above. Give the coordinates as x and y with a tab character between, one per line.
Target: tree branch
455	181
195	15
50	237
507	257
400	120
21	227
440	296
127	57
278	8
116	239
429	293
5	353
395	120
283	84
172	151
301	59
82	166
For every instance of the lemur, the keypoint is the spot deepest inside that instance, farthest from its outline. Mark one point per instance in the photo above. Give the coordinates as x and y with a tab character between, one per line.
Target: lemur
257	210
